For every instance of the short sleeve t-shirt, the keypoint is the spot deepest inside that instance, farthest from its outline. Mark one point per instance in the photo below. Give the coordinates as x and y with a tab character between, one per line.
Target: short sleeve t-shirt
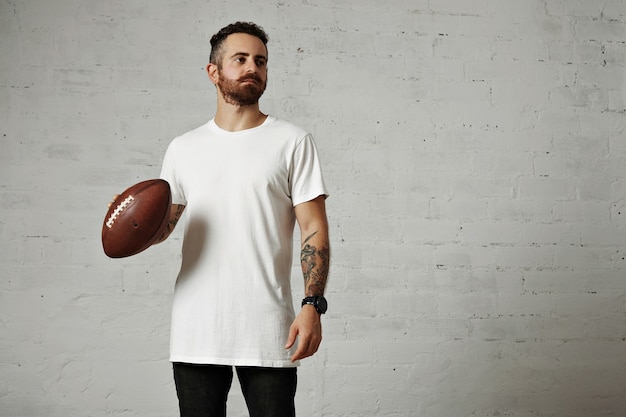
232	301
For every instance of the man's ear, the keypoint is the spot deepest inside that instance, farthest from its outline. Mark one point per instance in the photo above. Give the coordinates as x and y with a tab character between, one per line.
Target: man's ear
211	69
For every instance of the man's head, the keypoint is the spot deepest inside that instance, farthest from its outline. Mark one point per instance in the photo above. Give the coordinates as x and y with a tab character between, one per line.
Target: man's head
217	40
238	63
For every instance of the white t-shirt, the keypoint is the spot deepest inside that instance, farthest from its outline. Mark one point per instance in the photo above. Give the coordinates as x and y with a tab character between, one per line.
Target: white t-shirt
232	301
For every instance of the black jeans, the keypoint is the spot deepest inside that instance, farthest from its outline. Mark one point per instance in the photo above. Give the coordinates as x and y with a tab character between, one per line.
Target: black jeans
203	390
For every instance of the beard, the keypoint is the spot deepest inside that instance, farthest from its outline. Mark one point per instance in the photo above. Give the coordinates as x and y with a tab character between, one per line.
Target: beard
242	95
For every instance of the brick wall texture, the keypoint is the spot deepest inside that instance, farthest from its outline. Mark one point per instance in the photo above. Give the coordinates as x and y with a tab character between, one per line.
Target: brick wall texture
476	156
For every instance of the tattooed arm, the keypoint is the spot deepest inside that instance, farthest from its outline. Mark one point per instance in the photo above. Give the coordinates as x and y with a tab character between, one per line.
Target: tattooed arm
175	214
315	260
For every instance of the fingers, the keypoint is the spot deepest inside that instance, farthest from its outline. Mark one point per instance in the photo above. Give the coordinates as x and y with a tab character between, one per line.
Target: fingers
293	332
113	201
305	351
307	346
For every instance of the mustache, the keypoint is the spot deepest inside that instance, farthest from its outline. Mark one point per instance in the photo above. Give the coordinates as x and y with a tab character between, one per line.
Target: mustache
253	77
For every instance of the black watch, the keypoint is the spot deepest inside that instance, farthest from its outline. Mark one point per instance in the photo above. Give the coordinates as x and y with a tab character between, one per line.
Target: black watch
317	301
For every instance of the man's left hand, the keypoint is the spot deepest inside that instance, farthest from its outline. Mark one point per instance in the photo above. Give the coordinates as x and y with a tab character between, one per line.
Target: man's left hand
308	328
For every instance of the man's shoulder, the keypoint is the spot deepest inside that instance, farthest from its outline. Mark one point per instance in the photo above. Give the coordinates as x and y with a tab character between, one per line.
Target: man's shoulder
290	128
190	137
195	132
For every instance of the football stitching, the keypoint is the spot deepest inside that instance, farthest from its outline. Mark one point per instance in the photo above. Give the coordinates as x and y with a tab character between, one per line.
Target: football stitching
120	207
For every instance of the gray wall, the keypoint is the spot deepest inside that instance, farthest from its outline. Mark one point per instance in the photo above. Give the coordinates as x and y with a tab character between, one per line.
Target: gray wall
475	153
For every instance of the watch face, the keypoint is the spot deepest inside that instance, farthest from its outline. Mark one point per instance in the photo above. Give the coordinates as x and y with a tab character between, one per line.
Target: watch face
322	304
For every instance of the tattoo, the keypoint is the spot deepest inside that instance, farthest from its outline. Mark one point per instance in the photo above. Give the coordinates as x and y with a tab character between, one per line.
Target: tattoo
174	218
315	264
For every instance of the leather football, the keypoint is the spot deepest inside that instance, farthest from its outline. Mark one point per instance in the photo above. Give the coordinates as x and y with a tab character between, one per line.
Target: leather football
137	218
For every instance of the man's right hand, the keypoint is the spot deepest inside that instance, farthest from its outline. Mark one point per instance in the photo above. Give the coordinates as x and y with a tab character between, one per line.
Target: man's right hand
112	201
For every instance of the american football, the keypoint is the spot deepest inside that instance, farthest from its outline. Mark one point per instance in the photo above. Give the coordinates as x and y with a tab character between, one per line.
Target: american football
137	218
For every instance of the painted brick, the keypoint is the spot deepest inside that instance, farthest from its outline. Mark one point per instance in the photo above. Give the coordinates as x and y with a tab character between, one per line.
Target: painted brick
475	156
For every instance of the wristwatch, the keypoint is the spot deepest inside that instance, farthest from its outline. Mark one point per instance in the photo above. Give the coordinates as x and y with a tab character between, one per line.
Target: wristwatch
317	301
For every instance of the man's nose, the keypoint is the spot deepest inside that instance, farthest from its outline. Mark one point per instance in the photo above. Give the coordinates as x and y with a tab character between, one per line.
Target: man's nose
253	67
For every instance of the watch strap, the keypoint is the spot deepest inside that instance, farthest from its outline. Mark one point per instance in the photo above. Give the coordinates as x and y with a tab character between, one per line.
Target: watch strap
317	301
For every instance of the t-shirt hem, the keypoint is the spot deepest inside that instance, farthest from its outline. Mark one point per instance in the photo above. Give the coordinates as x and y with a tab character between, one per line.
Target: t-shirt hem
308	197
234	362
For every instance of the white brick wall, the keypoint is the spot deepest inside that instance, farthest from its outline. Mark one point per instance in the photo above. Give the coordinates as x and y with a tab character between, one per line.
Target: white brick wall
476	154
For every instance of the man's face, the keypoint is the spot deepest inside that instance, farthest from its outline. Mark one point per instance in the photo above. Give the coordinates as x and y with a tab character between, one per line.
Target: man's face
242	75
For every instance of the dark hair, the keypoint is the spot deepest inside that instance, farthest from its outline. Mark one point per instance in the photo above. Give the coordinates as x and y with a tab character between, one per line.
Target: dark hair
217	51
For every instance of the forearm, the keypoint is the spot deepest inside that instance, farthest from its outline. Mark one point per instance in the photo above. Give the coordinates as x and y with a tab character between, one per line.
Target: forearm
175	214
315	260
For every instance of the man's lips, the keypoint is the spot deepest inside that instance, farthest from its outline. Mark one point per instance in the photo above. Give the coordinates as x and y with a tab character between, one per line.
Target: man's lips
250	80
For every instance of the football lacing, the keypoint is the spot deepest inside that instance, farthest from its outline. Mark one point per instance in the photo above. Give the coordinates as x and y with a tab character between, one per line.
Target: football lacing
120	207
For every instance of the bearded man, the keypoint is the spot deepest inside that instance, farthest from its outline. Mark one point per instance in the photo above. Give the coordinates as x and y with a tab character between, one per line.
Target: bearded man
244	179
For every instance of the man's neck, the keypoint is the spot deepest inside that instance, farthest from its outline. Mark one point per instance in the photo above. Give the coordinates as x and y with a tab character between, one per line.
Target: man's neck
237	118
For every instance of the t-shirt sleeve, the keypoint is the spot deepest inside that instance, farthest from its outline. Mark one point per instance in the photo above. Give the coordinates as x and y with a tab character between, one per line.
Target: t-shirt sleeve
169	174
306	181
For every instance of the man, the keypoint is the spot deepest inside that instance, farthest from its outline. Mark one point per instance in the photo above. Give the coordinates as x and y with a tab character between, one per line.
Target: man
244	179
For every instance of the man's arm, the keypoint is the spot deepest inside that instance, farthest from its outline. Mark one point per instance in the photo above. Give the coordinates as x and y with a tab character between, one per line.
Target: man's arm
175	213
315	260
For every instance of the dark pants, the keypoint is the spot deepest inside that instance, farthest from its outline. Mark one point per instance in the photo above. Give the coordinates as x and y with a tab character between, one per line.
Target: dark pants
203	389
